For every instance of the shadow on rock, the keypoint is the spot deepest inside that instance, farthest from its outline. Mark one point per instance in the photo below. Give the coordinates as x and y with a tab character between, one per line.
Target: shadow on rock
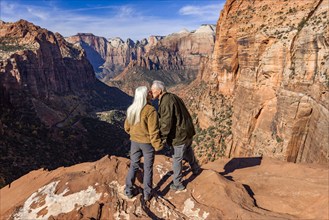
239	163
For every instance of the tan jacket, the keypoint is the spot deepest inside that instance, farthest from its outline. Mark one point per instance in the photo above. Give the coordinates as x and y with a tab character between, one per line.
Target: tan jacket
147	129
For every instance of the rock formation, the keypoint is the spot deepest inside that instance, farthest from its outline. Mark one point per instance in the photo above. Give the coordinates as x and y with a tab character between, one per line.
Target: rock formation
49	97
174	58
110	57
94	46
41	63
266	88
263	189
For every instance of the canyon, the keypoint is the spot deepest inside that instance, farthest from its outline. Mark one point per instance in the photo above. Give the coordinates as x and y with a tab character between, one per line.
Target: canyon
174	59
260	89
257	88
50	102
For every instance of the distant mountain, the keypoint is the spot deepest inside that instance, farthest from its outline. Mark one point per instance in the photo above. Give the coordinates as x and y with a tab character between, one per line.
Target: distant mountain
110	57
174	58
49	98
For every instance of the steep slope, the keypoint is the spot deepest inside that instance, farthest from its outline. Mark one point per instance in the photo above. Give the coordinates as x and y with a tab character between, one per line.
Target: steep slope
94	46
49	97
265	91
222	191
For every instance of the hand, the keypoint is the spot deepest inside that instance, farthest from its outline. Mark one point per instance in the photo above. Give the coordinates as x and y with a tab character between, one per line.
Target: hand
160	148
164	143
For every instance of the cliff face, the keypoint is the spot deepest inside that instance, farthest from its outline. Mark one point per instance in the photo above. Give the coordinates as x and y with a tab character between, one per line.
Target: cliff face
110	57
270	62
49	97
96	191
94	46
42	63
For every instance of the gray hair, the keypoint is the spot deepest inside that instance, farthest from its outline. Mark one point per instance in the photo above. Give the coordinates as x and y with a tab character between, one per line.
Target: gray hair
159	85
134	110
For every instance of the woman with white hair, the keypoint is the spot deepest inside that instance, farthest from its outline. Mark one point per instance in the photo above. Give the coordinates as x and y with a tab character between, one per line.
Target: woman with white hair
143	127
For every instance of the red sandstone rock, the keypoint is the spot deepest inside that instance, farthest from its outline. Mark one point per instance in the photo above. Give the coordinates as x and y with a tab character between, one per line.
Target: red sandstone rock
95	190
41	63
270	62
48	90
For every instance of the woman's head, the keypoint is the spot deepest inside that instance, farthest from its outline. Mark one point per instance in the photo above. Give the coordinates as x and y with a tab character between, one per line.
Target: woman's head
140	100
141	94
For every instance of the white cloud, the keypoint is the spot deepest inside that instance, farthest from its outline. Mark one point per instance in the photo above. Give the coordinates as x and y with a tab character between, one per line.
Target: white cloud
91	8
205	12
125	11
5	6
37	13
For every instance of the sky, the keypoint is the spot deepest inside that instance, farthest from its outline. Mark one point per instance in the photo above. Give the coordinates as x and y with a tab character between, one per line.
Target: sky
134	19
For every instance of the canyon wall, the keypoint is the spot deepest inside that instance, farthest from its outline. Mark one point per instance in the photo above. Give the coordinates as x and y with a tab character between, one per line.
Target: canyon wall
37	62
50	102
270	63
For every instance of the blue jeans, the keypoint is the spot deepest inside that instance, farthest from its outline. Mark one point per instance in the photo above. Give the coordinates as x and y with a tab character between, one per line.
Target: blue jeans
137	150
181	152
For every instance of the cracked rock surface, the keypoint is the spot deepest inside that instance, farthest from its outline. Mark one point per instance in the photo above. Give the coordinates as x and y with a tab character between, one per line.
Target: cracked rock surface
237	188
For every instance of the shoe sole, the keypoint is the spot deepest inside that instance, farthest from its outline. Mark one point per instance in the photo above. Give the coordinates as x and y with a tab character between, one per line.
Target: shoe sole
177	189
129	196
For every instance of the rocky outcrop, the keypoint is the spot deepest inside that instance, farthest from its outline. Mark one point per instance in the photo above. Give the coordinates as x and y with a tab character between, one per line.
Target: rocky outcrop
270	63
49	97
96	191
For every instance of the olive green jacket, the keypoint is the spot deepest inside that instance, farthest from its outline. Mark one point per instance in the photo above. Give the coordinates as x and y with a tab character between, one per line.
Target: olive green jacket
147	129
175	121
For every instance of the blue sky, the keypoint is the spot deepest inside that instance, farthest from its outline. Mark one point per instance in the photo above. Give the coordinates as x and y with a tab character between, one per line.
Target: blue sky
126	19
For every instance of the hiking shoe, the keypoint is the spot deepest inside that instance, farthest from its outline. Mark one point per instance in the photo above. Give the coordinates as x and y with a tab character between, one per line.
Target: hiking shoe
129	195
177	188
147	198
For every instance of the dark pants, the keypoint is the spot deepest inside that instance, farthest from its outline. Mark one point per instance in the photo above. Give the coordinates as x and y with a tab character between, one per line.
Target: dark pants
137	150
181	152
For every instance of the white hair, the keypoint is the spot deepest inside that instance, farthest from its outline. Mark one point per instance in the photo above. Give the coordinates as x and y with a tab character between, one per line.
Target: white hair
134	110
159	85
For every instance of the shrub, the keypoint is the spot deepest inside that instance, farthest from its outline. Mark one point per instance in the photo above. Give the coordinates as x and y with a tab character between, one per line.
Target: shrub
301	24
278	139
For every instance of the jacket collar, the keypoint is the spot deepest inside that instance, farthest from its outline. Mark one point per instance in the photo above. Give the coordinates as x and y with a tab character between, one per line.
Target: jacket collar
165	93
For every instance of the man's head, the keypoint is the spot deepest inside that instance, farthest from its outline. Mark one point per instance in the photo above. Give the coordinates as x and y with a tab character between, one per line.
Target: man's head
158	88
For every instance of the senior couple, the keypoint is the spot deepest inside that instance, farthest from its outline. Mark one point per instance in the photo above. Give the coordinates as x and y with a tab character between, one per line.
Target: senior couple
150	131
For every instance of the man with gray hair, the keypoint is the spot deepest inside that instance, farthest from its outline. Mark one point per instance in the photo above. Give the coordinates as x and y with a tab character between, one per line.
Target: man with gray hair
176	130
